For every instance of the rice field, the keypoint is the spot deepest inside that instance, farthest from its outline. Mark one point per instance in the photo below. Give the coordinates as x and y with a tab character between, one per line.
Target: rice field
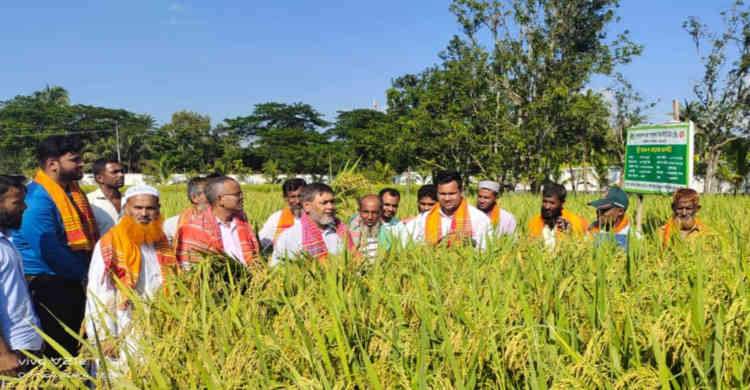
513	317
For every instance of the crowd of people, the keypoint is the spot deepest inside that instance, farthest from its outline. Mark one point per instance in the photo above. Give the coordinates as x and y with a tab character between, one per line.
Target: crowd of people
66	256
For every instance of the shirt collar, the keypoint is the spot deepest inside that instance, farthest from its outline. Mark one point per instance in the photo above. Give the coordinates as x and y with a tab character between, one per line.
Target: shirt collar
230	225
99	194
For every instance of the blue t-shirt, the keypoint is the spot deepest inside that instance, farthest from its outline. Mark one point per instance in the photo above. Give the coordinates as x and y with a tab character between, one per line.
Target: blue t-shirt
42	242
16	309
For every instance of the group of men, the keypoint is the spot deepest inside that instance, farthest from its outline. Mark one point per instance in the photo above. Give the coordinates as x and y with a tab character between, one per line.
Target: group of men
64	254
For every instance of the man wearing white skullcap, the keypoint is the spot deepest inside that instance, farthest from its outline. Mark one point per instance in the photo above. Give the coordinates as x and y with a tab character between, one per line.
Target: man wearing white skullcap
503	222
134	256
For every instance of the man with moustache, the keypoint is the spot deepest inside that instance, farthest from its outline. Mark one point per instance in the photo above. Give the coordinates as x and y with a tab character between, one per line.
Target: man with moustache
452	220
683	225
17	316
222	227
106	201
368	231
197	196
285	218
318	233
56	238
612	223
554	221
502	221
426	199
133	257
389	201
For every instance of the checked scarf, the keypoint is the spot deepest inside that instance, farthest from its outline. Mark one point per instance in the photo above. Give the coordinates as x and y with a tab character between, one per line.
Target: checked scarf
312	237
460	225
77	217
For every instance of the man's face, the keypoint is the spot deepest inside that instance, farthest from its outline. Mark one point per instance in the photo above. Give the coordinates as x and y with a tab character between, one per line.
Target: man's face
142	208
12	206
200	199
294	201
231	197
70	166
425	203
390	206
610	217
321	209
684	211
113	176
369	211
551	207
486	200
449	196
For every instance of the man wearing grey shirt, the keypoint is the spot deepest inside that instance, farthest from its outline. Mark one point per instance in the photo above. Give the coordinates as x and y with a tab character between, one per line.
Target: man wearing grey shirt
17	316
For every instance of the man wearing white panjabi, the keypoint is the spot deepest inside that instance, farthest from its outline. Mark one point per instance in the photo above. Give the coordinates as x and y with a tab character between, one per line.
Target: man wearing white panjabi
134	255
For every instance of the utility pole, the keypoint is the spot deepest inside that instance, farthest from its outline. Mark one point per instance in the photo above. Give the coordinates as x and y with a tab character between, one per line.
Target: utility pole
117	140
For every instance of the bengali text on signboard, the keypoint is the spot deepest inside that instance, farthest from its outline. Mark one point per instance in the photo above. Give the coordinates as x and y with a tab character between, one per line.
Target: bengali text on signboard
659	158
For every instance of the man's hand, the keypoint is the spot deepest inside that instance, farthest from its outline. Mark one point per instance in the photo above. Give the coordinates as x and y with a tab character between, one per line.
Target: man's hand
562	224
9	363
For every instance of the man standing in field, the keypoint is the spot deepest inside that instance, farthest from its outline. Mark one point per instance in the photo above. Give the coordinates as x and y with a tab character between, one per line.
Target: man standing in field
285	218
17	316
683	224
426	199
197	196
221	227
56	238
554	221
611	222
368	231
502	221
452	220
318	233
389	201
107	199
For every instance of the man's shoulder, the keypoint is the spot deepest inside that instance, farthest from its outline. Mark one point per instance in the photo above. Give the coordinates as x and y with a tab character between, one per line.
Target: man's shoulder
275	215
95	194
36	193
506	213
478	215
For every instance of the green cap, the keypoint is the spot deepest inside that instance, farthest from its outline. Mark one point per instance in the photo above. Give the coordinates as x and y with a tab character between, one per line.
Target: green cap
616	197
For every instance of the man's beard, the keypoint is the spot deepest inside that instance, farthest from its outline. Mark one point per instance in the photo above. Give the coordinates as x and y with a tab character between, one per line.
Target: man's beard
10	220
550	217
296	211
139	233
71	175
686	222
488	209
368	232
321	219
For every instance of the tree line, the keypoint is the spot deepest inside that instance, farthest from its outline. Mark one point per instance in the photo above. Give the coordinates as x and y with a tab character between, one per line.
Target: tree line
508	100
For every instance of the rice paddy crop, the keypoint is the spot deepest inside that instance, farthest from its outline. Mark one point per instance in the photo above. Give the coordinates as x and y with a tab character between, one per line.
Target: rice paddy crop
515	316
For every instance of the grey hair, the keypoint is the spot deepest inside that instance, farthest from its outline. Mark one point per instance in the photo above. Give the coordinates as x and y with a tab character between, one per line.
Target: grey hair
368	196
214	187
310	191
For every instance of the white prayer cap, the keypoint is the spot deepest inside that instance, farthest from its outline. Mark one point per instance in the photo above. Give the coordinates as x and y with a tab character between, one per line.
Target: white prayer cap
490	185
139	190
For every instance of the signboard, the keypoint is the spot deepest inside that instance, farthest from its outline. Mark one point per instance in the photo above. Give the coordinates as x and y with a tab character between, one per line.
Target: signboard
659	158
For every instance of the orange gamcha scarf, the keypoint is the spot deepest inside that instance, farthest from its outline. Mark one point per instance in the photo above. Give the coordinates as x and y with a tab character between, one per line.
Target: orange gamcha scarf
460	225
671	228
495	216
120	248
578	225
77	217
285	222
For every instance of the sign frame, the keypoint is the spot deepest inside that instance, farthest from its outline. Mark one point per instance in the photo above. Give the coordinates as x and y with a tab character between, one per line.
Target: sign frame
660	187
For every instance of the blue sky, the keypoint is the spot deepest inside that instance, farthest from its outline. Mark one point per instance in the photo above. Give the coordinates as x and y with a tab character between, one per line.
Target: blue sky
222	57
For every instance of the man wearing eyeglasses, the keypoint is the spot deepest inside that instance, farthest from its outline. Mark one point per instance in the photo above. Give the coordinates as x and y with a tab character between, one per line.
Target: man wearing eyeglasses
222	227
611	222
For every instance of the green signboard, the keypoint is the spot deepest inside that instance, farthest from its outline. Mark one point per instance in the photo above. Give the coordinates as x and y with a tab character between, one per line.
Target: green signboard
659	158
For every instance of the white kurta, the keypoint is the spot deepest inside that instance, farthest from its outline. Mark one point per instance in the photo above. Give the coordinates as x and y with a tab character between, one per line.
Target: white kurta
266	233
289	243
170	227
103	297
480	227
104	211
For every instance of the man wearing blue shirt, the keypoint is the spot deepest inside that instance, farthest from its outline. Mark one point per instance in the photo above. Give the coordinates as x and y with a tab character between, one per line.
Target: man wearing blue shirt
17	316
55	240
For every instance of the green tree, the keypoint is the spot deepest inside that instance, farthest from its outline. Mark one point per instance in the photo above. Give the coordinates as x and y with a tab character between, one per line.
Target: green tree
188	142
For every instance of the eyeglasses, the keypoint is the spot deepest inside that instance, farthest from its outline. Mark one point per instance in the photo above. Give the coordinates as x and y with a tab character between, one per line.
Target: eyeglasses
237	194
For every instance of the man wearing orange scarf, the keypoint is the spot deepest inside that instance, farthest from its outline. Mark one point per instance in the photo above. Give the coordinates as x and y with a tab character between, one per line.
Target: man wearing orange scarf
285	218
453	220
612	224
221	228
502	221
197	196
56	238
132	257
554	221
683	224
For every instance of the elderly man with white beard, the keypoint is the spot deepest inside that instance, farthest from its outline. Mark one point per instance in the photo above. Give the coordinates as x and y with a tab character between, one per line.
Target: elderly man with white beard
318	233
133	257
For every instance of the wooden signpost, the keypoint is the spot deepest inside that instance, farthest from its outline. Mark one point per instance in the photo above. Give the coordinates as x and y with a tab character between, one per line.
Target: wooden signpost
658	159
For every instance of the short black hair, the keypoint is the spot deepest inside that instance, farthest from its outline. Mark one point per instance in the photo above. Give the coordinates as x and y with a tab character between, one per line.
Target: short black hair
56	146
429	190
389	191
11	181
101	164
445	177
556	190
214	186
196	186
292	185
310	191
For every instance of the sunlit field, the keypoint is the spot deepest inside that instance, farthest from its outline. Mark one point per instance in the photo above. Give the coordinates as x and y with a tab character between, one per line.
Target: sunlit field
513	317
